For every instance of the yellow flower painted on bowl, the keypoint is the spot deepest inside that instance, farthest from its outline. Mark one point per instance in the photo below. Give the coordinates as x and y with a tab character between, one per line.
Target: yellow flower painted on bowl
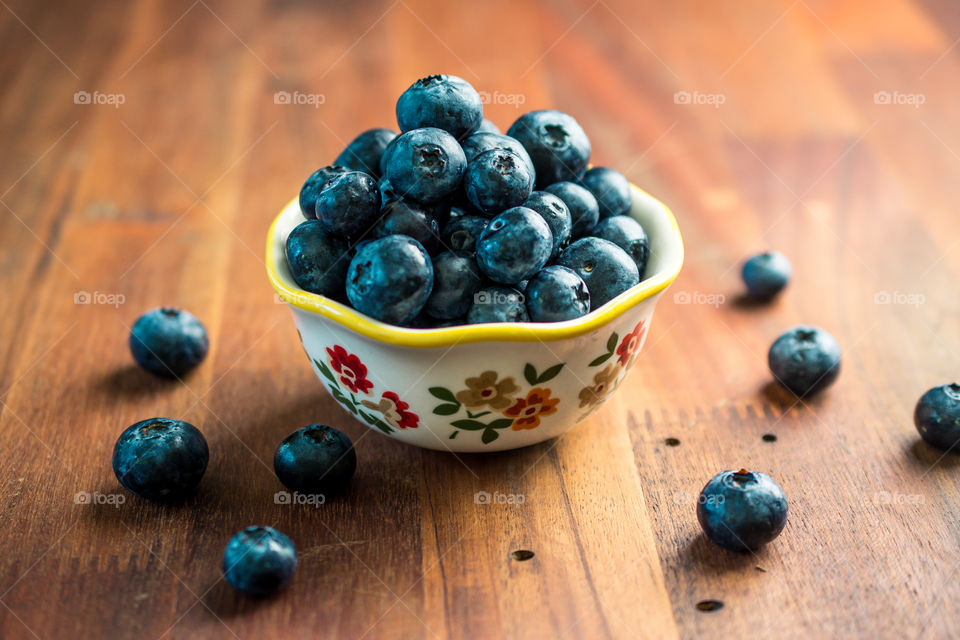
487	391
526	412
604	382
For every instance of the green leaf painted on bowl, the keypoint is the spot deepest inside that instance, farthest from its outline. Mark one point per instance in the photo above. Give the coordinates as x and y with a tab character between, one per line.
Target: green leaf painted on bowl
596	362
325	370
453	435
377	422
530	373
550	373
447	409
612	342
444	394
468	425
480	414
489	435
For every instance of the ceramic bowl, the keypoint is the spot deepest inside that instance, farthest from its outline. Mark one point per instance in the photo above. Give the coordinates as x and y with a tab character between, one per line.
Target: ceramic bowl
486	387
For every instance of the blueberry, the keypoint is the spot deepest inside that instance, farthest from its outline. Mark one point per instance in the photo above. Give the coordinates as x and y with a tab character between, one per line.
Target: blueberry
514	246
479	143
559	148
168	342
497	304
611	190
463	232
557	216
402	217
556	294
497	180
487	126
364	152
317	182
390	279
350	205
626	233
584	210
441	101
742	510
805	360
766	274
605	267
316	459
259	561
937	416
318	259
426	165
160	459
455	279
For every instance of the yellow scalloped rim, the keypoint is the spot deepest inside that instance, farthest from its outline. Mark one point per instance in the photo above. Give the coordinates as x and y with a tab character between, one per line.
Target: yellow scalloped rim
494	332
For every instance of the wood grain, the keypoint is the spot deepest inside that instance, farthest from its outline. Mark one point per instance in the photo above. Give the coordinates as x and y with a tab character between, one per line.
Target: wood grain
165	200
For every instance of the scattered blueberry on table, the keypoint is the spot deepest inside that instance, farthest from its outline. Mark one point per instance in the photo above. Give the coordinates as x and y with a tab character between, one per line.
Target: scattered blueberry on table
742	510
259	561
805	360
507	205
766	274
937	416
316	459
168	342
160	459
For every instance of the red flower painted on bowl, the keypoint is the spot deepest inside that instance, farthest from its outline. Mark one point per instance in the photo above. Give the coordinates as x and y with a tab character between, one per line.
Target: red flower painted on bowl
526	411
352	372
394	411
630	344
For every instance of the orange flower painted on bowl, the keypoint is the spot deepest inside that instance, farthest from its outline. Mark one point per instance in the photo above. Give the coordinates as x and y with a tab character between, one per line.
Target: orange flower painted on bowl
604	382
487	391
526	411
352	372
630	344
394	411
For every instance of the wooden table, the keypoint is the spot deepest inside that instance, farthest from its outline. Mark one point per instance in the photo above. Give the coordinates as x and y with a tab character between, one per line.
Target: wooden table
827	130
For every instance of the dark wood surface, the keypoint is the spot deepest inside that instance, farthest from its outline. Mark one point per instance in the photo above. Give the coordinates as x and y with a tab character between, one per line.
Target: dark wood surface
165	199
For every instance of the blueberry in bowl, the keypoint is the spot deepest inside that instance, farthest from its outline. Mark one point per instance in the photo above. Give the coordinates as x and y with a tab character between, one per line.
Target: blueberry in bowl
497	180
557	144
365	151
514	246
390	279
442	101
426	165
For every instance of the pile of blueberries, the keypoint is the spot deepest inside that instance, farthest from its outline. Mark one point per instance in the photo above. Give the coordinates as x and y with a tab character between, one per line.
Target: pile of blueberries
451	222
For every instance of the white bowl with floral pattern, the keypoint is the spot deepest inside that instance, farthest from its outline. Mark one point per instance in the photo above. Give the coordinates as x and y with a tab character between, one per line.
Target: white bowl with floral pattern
486	387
